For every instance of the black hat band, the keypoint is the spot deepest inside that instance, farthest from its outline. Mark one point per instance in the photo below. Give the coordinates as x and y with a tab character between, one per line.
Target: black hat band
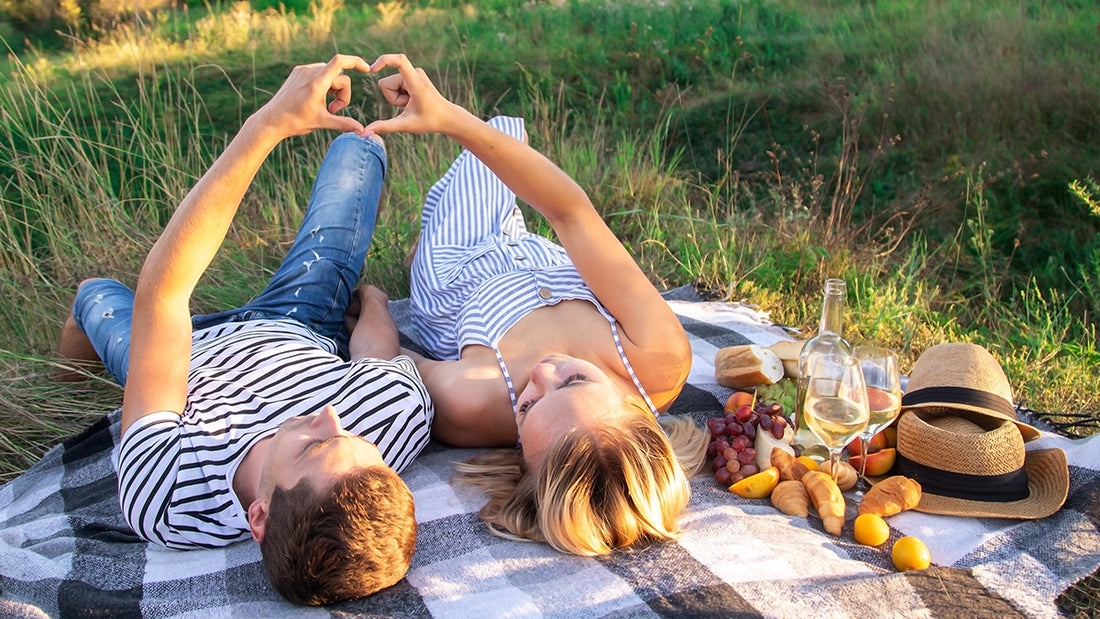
960	395
1012	486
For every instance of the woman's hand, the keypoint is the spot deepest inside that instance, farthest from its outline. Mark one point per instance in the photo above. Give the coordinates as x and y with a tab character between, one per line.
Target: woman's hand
302	104
425	110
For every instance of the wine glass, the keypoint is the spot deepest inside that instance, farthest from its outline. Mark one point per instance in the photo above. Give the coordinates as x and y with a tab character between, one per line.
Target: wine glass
880	373
836	403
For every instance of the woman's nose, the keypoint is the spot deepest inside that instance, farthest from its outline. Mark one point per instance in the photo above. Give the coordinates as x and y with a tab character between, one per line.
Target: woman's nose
542	374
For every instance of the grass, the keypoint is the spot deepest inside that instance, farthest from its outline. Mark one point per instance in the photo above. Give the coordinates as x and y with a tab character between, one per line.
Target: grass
750	148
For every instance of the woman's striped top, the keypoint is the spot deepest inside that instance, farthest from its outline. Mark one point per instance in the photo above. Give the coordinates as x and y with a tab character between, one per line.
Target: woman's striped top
478	271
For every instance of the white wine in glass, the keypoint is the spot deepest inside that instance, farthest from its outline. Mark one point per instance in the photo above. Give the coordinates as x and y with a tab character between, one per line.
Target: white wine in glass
835	420
884	406
880	373
836	403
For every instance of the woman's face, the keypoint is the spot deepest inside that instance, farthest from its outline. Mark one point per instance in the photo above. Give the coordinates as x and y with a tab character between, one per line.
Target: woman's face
564	392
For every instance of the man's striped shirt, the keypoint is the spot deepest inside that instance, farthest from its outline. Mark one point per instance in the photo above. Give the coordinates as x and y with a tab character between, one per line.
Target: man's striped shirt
176	471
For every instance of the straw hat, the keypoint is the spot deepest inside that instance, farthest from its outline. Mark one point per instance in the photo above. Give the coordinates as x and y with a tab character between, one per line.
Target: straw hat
978	467
965	378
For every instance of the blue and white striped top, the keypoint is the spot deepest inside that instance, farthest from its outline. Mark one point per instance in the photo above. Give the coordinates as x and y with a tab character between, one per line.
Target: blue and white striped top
175	472
478	271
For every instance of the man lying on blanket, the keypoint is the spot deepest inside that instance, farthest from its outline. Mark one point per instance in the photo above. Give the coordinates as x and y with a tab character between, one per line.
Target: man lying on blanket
283	419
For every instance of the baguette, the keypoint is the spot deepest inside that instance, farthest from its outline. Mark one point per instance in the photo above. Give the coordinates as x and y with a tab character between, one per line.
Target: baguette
747	365
788	352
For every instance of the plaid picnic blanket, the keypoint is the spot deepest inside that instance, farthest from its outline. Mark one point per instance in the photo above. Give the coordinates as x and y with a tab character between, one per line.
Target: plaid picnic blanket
65	550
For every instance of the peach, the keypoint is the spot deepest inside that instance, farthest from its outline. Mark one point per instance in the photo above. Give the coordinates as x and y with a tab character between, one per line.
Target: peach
878	463
879	399
809	462
739	399
877	442
757	486
891	434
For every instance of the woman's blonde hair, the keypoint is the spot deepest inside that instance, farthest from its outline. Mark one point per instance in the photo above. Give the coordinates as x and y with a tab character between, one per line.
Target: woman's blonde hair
597	489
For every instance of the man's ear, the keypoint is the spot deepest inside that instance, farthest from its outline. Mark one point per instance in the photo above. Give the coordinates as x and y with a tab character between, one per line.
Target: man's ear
257	519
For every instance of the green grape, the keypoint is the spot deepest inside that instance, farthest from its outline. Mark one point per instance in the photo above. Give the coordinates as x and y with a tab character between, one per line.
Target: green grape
782	392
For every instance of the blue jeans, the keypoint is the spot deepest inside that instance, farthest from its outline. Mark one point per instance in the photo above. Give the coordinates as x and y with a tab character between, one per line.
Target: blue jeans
313	285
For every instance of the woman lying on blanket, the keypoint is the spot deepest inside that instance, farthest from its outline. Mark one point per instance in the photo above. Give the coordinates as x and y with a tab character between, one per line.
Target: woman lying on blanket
566	354
254	422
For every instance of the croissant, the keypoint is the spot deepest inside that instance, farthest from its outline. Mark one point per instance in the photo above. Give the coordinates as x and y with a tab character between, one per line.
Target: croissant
791	498
846	477
890	496
789	466
827	500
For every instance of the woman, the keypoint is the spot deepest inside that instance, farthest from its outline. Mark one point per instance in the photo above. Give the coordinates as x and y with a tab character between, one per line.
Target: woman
566	354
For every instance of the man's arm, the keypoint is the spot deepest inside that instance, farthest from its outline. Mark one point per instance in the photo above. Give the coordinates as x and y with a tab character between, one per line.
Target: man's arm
160	349
368	320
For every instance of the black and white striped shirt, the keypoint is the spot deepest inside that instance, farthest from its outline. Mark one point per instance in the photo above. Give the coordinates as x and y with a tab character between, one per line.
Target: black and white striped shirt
175	472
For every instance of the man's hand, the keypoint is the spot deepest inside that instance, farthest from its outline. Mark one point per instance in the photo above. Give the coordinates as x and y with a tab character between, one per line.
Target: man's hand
302	104
425	110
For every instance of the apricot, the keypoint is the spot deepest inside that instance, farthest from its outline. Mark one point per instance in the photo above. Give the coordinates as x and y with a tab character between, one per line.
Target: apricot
910	553
878	463
810	463
739	399
871	530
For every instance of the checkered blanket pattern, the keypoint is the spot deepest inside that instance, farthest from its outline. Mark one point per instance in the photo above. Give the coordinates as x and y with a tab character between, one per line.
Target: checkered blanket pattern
65	550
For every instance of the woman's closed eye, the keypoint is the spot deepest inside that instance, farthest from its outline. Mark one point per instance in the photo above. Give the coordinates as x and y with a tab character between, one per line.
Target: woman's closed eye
526	406
572	379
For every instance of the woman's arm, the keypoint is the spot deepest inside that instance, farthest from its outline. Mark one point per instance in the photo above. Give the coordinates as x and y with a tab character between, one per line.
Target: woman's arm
160	348
663	357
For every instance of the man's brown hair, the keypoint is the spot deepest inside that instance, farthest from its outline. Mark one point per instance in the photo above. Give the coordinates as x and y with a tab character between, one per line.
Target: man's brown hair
358	538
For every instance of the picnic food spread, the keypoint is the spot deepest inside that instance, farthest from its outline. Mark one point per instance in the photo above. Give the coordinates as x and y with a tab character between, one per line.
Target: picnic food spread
956	448
794	483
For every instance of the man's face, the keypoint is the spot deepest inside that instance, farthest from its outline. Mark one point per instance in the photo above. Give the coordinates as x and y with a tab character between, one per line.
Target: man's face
316	448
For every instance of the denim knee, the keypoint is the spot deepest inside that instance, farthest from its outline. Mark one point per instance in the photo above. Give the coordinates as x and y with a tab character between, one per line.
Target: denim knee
103	309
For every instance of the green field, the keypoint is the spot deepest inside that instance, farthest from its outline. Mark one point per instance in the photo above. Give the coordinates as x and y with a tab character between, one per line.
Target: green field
941	157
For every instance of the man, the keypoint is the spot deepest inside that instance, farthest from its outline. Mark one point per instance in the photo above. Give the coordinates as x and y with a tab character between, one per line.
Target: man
286	419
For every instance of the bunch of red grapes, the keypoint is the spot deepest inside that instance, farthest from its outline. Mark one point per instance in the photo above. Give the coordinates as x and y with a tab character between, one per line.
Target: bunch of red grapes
732	438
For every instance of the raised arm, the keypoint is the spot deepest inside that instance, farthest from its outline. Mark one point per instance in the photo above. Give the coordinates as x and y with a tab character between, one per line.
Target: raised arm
647	322
160	348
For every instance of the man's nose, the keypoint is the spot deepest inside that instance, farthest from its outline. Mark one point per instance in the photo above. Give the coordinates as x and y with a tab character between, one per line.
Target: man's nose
328	420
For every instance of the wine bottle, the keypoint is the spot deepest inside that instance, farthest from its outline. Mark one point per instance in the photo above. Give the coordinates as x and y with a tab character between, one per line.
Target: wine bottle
828	341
